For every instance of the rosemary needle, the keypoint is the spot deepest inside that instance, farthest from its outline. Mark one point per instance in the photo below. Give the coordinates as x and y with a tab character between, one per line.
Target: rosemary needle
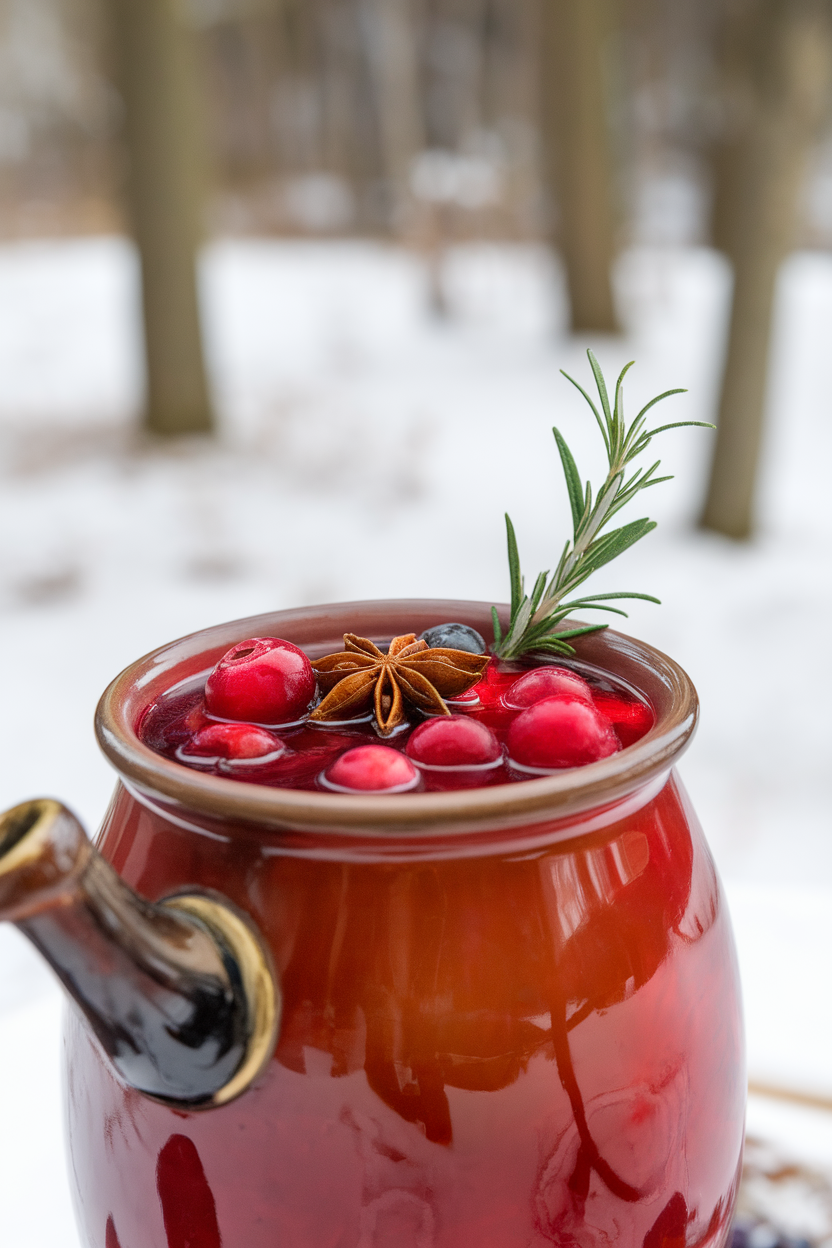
535	617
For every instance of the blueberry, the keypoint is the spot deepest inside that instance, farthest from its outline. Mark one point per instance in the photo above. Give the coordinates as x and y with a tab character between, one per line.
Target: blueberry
454	637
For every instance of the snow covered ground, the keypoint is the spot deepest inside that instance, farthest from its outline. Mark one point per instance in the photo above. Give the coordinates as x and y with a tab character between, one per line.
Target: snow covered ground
368	450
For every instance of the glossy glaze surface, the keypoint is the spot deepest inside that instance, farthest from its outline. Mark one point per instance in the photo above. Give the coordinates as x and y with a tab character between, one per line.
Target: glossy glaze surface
505	1051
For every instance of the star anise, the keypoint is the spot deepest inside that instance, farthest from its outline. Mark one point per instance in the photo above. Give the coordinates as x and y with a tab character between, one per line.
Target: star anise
410	671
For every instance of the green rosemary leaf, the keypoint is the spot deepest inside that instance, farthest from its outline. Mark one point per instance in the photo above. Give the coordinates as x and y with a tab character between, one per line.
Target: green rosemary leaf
590	598
533	620
578	605
643	483
553	645
498	632
514	568
537	592
619	430
583	631
601	386
619	389
558	572
520	624
545	625
682	424
658	399
574	486
595	411
611	545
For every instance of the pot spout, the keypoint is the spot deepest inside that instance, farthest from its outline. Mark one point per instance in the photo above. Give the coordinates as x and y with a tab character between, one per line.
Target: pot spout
180	994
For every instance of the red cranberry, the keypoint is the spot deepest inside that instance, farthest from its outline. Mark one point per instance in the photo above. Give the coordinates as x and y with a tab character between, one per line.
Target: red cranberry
453	741
263	680
560	732
234	742
372	769
630	718
546	682
467	700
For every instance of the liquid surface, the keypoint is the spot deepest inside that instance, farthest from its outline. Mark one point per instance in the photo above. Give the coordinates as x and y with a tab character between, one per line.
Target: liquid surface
170	724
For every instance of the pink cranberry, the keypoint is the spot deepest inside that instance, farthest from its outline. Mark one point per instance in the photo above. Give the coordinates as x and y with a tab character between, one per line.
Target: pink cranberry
372	769
453	741
234	742
630	718
465	701
263	680
546	682
560	732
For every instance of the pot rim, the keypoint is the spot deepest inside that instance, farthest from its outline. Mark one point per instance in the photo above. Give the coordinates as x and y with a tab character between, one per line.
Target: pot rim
558	797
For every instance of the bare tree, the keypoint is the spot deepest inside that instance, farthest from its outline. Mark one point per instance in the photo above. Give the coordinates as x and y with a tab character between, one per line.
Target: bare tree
390	38
163	131
575	43
786	88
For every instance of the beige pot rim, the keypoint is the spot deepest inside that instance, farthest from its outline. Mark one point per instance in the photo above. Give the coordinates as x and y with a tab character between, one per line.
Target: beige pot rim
310	818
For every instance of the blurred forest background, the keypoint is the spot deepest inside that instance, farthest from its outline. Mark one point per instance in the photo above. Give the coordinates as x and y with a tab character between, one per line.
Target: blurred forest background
332	117
349	244
592	126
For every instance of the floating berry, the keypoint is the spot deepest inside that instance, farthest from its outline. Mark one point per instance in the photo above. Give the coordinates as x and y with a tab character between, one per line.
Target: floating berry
371	769
453	741
454	637
235	743
465	701
560	732
546	682
630	717
263	680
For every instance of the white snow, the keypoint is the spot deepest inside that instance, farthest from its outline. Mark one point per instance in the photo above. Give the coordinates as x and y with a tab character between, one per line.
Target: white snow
368	450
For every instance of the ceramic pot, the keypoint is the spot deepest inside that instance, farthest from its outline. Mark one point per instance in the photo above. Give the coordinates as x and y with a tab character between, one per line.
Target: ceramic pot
509	1017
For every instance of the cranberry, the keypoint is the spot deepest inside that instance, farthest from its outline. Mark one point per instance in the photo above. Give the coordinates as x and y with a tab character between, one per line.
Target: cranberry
453	741
371	769
234	742
546	682
630	717
560	732
263	680
466	701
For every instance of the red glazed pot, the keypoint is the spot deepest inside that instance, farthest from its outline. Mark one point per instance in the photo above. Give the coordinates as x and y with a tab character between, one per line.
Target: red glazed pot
510	1015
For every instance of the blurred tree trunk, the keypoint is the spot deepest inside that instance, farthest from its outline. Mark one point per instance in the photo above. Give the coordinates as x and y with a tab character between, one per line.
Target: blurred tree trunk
734	41
156	71
577	151
391	43
764	167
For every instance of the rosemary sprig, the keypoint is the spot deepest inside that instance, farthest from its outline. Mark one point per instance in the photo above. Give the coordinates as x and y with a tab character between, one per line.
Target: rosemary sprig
535	617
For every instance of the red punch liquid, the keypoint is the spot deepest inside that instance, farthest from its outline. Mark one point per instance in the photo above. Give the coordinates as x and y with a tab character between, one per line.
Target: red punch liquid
171	723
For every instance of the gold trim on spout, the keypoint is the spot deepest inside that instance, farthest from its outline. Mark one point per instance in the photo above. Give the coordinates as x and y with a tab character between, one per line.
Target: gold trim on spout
259	987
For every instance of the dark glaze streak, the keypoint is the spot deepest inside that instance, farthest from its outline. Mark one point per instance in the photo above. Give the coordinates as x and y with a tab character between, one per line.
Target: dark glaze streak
187	1201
